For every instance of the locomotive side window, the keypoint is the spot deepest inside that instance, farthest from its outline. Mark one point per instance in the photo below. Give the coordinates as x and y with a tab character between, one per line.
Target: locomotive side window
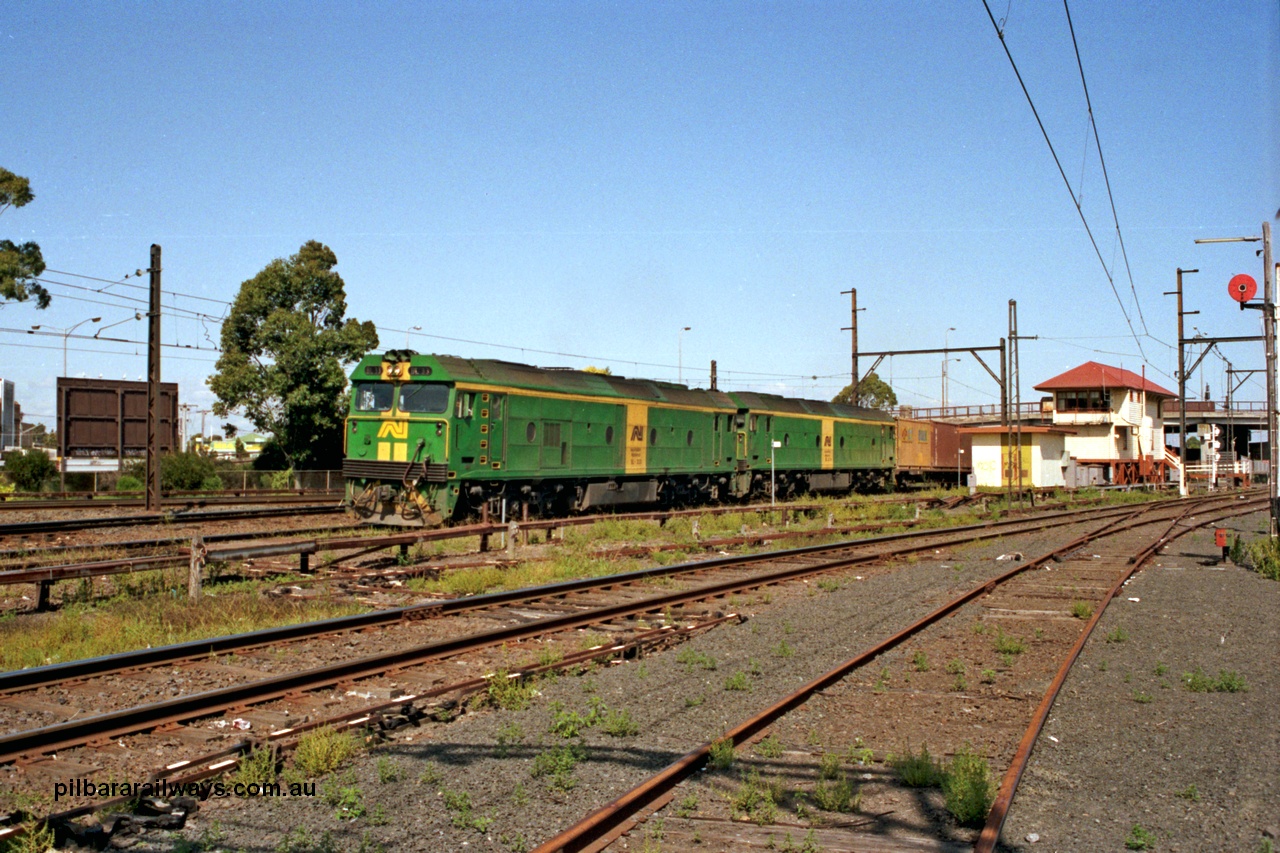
374	396
531	432
608	435
688	440
653	436
423	397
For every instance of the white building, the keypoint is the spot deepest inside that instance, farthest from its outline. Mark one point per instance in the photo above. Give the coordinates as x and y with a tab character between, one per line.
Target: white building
1106	430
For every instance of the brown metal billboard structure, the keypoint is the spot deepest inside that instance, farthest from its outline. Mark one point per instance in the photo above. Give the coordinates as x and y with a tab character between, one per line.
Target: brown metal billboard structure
108	418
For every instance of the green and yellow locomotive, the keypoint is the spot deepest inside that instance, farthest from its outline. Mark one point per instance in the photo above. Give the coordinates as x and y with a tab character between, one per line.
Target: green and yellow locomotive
435	438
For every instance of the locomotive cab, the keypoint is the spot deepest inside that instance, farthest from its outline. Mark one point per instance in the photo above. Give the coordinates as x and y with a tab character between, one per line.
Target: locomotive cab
397	440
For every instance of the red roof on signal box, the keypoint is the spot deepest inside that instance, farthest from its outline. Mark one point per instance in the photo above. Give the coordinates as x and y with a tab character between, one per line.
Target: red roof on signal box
1093	375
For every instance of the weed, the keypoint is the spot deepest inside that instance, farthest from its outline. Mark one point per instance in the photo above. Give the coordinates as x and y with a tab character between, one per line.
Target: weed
345	796
722	754
516	842
1081	609
557	765
257	768
828	585
988	676
882	681
619	724
783	650
978	628
458	803
829	766
299	840
1139	839
968	788
566	724
38	839
1119	635
1039	632
1141	698
693	702
836	796
1007	645
694	659
737	681
591	640
956	667
769	747
1190	793
917	771
550	657
1102	666
508	736
323	750
389	770
1226	682
920	661
756	800
960	685
431	775
510	692
1007	659
859	754
687	807
1128	677
787	628
813	738
642	671
1161	669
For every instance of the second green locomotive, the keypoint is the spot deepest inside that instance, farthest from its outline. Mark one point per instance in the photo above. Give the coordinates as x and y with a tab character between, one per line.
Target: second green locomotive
435	438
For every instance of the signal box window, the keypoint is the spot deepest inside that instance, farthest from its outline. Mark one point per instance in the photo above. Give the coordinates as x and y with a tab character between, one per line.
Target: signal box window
1084	401
374	396
424	397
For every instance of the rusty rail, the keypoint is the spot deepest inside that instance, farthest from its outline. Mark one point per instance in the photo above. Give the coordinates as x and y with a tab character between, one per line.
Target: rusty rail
612	815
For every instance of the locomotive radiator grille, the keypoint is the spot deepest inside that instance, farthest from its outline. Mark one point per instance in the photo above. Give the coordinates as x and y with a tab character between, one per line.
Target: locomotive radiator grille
368	469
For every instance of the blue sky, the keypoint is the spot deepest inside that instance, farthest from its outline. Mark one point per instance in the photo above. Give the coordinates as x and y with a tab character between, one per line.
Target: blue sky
577	181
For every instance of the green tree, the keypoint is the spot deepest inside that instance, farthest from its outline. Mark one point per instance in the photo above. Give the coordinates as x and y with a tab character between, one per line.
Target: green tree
28	470
20	263
284	345
873	393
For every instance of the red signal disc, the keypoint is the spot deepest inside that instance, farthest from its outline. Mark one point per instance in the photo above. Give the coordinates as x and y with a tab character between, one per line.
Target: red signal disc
1242	287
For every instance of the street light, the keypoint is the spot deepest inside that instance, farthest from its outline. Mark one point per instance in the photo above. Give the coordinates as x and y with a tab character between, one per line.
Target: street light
945	359
66	333
406	334
680	354
136	316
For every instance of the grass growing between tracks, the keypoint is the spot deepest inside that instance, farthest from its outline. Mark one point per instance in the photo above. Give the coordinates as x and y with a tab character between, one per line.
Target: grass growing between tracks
125	623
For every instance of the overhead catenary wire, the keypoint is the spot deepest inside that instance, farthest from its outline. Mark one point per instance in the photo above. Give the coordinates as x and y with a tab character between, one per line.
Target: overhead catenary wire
1065	180
1102	162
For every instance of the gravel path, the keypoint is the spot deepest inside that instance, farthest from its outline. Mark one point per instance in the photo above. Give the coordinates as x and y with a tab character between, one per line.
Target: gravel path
1127	744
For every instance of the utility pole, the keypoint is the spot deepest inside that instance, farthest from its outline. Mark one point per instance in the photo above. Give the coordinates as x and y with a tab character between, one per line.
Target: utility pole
153	385
853	329
1015	376
1269	331
713	374
1182	387
1269	343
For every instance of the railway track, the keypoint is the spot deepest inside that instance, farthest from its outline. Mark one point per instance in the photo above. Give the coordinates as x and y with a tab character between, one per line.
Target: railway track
1095	578
526	610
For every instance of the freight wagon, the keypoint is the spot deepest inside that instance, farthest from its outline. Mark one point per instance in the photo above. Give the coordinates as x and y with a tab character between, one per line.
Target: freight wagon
931	452
436	438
